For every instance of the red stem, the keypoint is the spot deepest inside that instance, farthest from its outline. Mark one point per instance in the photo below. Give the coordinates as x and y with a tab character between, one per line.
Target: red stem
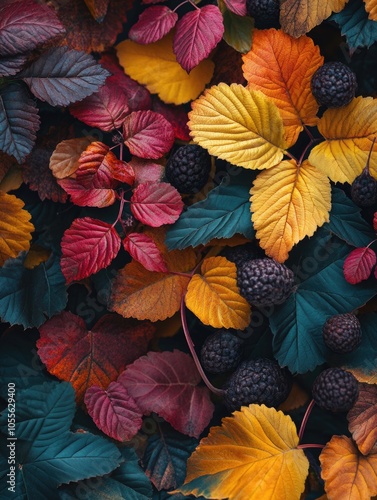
305	419
303	446
182	3
122	202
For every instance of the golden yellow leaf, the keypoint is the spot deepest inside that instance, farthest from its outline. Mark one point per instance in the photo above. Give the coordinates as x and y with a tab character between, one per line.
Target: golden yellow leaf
349	132
234	124
288	202
296	398
281	67
64	161
12	179
35	256
348	475
252	456
155	66
214	297
15	227
297	17
371	8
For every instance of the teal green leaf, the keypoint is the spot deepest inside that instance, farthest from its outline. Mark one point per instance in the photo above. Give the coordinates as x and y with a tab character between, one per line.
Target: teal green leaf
29	296
224	212
238	31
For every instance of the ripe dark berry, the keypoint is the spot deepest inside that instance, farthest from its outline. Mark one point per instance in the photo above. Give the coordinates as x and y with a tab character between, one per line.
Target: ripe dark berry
334	85
259	381
265	282
342	333
335	390
264	12
188	169
221	352
364	189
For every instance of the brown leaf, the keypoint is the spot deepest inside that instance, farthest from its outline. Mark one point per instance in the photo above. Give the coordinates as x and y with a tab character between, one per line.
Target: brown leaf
98	9
362	418
64	161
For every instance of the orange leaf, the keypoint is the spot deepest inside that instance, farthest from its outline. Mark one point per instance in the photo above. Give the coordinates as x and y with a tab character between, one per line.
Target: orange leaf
64	160
348	475
36	255
362	418
371	8
214	296
281	67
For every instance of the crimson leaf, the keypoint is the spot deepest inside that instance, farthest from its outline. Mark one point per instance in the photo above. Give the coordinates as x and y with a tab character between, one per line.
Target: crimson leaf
359	264
153	24
87	197
62	76
143	249
237	7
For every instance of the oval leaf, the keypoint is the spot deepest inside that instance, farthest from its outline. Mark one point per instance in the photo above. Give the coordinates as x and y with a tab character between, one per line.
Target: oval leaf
143	249
64	160
153	24
237	7
359	264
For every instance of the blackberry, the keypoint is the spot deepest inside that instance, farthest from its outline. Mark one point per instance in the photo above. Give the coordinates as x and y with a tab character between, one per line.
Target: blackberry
264	12
335	390
221	352
342	333
241	253
364	189
259	381
265	282
334	85
188	168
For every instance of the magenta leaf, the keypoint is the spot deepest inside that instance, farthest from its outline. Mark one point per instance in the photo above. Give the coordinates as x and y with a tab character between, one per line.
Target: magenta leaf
25	24
88	246
114	411
198	32
176	115
358	265
146	170
11	65
153	24
156	203
61	76
143	249
87	197
237	6
148	134
167	383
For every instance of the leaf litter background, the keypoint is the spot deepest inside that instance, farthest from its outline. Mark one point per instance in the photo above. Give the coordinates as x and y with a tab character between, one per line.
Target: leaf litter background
103	260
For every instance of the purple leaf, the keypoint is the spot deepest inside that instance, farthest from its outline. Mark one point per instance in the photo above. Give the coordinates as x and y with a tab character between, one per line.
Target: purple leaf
62	76
153	24
11	65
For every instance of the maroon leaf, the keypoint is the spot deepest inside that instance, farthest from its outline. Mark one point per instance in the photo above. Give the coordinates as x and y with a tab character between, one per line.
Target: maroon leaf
359	264
375	221
237	6
176	116
148	134
84	197
114	411
25	24
156	203
11	65
198	32
146	170
153	24
167	383
88	246
61	76
143	249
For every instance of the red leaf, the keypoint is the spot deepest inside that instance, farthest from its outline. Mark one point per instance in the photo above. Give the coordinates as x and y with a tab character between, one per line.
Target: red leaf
237	6
176	116
198	32
358	265
148	134
88	246
156	203
83	197
146	170
153	24
105	109
167	383
114	411
375	221
143	249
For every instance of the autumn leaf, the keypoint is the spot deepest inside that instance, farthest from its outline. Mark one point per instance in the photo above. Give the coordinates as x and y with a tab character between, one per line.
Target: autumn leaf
155	66
142	248
288	202
348	133
146	170
281	67
359	264
348	474
371	8
234	124
153	24
362	418
214	298
64	160
252	455
97	8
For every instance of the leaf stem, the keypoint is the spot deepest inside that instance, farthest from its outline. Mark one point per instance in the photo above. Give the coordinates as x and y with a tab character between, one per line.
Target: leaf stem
310	445
305	419
182	3
122	202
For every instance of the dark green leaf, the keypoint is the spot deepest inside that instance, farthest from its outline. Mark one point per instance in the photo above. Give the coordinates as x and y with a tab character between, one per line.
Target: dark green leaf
238	31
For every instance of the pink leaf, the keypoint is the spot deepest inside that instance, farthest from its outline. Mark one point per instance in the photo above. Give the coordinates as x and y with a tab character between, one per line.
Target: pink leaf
114	411
88	246
375	221
156	203
148	134
84	197
143	249
167	383
358	265
153	24
198	32
146	170
237	6
176	116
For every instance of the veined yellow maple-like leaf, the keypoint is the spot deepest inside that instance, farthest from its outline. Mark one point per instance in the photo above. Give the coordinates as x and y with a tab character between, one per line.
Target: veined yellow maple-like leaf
15	227
349	133
371	8
348	475
288	202
297	17
281	67
252	456
238	125
155	66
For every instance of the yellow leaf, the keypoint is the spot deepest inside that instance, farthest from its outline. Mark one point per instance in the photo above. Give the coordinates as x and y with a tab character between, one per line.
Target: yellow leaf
348	475
155	66
64	161
281	67
252	456
371	8
288	202
214	296
297	17
36	255
234	124
349	132
15	227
